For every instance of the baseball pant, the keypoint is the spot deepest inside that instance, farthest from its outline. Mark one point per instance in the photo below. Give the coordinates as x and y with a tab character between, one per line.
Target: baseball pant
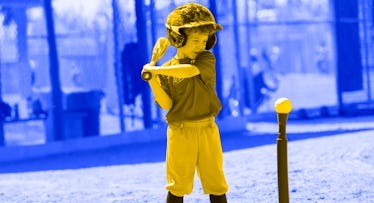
195	145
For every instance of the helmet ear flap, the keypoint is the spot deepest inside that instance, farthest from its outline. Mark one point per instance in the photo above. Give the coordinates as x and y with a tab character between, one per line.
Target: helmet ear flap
175	39
179	40
212	40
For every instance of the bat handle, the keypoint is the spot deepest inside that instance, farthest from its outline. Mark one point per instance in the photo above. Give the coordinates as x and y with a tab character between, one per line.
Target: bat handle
146	76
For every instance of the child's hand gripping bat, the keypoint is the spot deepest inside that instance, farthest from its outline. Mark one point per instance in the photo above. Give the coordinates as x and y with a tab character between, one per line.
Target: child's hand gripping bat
158	51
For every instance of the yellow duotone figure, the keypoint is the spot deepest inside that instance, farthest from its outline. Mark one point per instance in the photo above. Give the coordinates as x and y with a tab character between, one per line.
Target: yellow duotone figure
186	87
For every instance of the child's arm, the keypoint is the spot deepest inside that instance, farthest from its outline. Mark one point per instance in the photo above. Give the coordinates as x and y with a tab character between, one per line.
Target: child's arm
161	97
178	71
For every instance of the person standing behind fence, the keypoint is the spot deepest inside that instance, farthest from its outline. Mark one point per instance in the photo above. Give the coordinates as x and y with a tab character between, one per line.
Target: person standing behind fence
193	139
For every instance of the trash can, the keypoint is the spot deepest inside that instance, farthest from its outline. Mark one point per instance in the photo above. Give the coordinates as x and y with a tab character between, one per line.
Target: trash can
81	113
82	108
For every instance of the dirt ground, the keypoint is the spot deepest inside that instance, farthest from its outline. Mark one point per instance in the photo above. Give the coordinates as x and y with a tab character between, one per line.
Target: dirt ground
329	161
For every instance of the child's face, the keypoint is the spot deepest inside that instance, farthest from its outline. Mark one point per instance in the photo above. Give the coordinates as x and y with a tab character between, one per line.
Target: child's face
196	42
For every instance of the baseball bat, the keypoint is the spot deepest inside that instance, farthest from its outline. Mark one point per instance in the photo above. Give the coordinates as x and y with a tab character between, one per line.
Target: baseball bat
158	51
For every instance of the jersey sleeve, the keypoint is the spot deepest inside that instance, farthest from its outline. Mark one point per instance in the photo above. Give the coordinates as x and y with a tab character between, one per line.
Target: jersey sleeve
206	62
163	80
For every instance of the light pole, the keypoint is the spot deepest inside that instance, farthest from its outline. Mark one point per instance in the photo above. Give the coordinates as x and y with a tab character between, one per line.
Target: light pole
2	137
56	116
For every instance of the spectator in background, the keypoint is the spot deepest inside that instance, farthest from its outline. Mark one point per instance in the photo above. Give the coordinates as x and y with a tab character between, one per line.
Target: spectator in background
322	58
133	85
264	81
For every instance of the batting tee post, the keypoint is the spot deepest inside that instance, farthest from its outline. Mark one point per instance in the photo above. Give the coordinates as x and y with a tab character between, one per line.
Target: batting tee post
282	159
282	106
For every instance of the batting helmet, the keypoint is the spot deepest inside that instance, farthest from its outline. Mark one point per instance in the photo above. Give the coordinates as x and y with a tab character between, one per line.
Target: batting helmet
189	16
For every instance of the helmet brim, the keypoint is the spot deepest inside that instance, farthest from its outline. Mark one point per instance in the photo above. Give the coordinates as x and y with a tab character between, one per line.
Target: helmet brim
194	24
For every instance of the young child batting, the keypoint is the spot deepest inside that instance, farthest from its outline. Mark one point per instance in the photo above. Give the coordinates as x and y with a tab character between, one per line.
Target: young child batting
186	87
